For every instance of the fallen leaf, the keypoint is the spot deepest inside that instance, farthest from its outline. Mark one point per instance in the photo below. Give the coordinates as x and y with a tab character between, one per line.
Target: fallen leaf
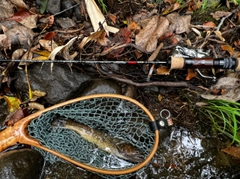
147	38
20	15
113	18
210	24
163	70
14	117
227	48
178	24
194	5
233	151
6	9
61	48
238	14
230	86
144	34
93	37
155	53
161	29
43	6
13	103
49	45
97	17
30	21
20	4
134	27
43	55
49	36
191	74
219	14
4	42
20	35
17	54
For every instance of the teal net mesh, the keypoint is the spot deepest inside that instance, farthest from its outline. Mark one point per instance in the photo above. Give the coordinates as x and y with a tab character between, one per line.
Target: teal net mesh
115	116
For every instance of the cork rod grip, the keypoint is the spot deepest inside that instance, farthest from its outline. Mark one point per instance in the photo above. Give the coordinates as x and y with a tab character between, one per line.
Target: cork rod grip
177	63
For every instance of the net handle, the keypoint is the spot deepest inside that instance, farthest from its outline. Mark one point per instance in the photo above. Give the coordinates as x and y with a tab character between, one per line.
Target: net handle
19	134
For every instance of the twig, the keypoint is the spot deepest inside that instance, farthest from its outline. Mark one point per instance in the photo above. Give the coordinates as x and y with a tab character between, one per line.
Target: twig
58	13
155	83
222	20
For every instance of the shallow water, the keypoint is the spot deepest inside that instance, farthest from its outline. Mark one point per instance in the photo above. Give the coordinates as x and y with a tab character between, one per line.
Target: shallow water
185	154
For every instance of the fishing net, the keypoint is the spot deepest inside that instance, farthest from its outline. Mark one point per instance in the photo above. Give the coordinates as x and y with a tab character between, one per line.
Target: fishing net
117	117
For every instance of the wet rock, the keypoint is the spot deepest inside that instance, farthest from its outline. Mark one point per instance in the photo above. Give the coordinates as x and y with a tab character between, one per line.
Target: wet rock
54	6
66	4
4	111
21	164
100	86
60	84
60	170
65	23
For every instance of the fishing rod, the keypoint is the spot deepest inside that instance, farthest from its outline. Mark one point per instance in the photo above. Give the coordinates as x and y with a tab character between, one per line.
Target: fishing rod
171	63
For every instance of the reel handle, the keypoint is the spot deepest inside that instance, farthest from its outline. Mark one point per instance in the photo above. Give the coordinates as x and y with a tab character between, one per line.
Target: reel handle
222	63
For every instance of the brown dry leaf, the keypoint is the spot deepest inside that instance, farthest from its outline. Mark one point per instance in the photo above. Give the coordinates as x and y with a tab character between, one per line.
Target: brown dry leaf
49	45
113	18
163	70
178	24
210	24
93	37
17	54
233	151
227	48
230	86
14	117
161	29
238	14
20	35
20	4
176	6
30	21
4	42
195	6
6	9
147	38
155	53
143	36
134	27
219	14
191	74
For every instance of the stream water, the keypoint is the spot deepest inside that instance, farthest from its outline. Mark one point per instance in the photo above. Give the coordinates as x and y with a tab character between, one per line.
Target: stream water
185	154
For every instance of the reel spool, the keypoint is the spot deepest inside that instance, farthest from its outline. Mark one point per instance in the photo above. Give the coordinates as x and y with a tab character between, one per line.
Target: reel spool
119	116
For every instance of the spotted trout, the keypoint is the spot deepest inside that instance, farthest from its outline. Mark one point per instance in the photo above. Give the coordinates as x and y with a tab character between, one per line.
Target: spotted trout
103	140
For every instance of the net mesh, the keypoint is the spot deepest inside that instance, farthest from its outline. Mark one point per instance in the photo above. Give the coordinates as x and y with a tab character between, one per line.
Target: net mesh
115	116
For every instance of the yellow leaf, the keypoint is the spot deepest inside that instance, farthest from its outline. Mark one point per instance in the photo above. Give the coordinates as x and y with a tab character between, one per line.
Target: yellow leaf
42	53
40	58
13	103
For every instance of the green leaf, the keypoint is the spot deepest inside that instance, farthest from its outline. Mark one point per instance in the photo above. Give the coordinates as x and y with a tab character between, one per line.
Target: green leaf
43	6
